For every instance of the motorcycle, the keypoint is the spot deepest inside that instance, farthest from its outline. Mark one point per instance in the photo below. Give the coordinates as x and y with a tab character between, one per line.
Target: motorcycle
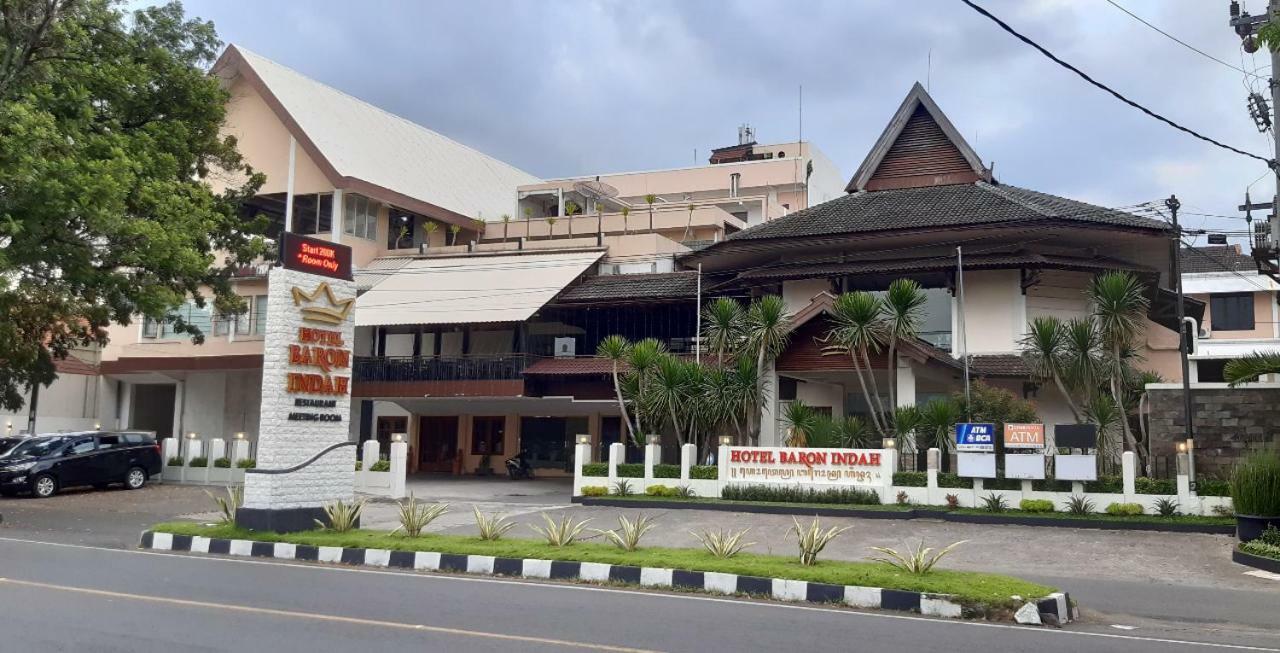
518	468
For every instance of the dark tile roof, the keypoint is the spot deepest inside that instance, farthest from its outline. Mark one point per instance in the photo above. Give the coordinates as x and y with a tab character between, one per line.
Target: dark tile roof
937	206
975	262
583	365
629	287
1217	258
998	365
73	365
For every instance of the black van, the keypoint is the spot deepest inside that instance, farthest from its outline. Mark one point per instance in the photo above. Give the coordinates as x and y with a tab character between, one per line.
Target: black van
45	464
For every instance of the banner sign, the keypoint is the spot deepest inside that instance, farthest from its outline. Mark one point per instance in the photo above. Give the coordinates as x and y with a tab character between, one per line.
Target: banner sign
1024	436
1075	436
975	437
315	256
804	466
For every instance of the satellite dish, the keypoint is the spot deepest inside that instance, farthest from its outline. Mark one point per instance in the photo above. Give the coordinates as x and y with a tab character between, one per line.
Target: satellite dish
596	189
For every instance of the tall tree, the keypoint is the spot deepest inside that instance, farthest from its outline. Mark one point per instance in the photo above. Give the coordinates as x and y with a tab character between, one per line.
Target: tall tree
903	312
615	349
857	330
723	326
1119	309
109	137
1044	348
1249	368
650	199
768	326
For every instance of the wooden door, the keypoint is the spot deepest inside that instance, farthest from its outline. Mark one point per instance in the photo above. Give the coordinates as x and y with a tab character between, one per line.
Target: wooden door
437	443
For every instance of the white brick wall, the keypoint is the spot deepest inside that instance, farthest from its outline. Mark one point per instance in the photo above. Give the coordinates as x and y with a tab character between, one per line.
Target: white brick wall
283	443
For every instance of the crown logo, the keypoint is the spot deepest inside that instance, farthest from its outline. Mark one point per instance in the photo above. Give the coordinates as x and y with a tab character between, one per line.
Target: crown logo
335	313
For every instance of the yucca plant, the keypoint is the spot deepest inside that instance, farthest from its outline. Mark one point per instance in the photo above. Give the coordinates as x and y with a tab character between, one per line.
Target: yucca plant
492	526
1079	505
812	539
415	516
1166	506
623	488
560	533
723	544
228	505
918	561
342	516
994	503
685	492
628	534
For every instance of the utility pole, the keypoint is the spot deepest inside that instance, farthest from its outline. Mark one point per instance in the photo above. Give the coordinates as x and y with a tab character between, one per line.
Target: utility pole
1246	27
1183	337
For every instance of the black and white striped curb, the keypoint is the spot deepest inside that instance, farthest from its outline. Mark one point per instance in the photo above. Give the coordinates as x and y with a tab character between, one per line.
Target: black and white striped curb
938	605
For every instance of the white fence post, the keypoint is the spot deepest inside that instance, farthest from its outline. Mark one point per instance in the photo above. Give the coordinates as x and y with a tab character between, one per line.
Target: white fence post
193	449
581	456
169	448
722	467
1184	483
239	451
399	467
617	453
888	465
217	449
652	456
933	459
688	453
1129	472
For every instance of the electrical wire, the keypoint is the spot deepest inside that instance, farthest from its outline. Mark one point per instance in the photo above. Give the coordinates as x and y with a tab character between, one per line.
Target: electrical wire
1005	26
1251	281
1177	40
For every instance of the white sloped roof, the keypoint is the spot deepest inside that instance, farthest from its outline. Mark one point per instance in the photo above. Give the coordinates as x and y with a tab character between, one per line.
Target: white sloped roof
367	143
508	288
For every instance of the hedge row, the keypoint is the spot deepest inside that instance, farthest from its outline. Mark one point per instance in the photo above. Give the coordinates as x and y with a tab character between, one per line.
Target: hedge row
1104	485
787	494
636	470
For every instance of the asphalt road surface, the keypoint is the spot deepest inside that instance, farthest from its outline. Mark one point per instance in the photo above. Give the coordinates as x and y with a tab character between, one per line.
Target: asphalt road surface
59	597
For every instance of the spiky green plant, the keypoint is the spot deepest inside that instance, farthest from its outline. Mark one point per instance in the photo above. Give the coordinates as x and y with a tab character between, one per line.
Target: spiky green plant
1079	505
623	488
615	349
685	492
1166	506
560	533
858	329
812	539
903	311
416	516
228	505
721	543
918	561
1249	368
342	516
723	326
1120	305
492	526
994	503
629	532
1255	485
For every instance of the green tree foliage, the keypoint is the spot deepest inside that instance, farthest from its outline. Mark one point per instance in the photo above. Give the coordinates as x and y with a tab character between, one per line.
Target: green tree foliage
109	137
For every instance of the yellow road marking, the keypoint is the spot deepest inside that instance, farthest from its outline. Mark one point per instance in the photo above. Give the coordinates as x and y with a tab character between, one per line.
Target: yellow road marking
328	618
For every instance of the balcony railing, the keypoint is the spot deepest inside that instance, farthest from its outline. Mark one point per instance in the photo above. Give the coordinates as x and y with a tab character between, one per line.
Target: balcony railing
431	368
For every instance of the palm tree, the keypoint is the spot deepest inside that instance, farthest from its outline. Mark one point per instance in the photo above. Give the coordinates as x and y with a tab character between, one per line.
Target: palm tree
858	330
937	419
453	231
570	208
1044	348
1120	309
723	325
666	392
643	357
802	421
551	227
744	395
506	220
768	326
626	211
1249	368
528	221
615	349
599	218
430	228
650	199
903	310
688	225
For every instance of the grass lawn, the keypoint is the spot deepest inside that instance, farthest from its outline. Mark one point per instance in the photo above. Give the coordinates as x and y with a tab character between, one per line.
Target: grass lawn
980	590
1211	520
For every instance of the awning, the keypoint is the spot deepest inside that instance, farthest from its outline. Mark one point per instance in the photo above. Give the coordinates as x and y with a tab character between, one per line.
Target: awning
1164	307
468	290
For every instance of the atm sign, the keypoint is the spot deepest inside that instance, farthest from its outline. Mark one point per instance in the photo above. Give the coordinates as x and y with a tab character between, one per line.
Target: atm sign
975	437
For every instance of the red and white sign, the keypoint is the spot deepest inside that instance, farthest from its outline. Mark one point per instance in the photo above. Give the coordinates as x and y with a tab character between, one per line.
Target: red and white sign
803	466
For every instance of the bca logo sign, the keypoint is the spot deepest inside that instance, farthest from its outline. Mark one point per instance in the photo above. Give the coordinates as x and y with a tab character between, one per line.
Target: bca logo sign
975	437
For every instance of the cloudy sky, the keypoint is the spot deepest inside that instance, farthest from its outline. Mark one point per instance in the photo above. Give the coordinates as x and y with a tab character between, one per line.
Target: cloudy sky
570	87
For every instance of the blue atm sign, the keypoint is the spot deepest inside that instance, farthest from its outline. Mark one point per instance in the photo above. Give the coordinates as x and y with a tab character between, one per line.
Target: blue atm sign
976	437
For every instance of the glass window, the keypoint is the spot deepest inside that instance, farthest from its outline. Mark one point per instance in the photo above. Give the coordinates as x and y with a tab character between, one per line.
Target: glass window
109	441
36	447
487	434
200	318
1211	371
150	328
260	315
244	320
1231	311
222	324
81	445
360	217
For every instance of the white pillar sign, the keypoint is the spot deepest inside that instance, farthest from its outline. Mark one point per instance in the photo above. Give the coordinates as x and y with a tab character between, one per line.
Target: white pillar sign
306	389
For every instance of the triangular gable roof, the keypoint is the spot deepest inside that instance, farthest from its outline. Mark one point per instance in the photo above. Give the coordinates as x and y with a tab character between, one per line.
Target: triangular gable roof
371	151
919	147
916	349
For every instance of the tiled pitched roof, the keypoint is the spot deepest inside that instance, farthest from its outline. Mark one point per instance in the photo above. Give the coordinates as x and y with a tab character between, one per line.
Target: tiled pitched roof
936	206
998	365
73	365
583	365
1217	258
803	270
627	287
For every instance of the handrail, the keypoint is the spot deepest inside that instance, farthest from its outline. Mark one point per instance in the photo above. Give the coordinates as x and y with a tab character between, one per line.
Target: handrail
302	464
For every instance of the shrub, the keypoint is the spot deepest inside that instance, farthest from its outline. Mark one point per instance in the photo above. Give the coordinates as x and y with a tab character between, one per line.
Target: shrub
1035	505
1144	485
917	562
1105	485
229	504
342	516
660	491
1224	511
1270	536
790	494
903	499
247	463
812	539
1124	509
594	491
994	503
560	533
954	482
1166	506
1002	483
629	532
666	471
685	492
630	470
359	465
1213	487
1255	485
595	469
198	461
1079	505
380	465
492	526
953	501
174	461
414	516
1260	548
623	488
911	479
723	544
704	472
222	463
1051	485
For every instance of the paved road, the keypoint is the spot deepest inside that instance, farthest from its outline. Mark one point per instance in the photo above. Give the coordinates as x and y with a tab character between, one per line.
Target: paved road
70	598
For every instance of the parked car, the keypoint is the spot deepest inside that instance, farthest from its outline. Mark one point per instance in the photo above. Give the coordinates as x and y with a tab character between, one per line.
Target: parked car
46	464
8	443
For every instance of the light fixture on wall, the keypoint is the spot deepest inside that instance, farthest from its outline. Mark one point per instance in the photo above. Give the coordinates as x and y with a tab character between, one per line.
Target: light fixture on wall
584	439
1182	447
889	443
725	440
239	435
397	437
192	435
654	438
97	426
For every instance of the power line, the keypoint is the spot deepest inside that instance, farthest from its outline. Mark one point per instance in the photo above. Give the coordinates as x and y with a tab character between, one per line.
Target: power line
1005	26
1179	41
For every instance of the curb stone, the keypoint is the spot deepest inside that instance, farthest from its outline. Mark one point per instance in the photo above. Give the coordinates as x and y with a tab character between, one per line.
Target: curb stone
935	605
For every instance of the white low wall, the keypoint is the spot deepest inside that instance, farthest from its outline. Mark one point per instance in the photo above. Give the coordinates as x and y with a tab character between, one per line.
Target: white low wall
1189	503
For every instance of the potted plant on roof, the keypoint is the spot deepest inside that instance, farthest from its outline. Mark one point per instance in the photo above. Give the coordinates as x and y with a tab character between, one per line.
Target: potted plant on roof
1255	494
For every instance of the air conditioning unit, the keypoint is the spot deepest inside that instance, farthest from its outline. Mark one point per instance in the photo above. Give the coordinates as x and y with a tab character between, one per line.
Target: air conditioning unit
566	347
1205	332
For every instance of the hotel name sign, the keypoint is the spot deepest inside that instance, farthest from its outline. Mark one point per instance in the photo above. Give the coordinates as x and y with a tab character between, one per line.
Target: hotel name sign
805	466
319	359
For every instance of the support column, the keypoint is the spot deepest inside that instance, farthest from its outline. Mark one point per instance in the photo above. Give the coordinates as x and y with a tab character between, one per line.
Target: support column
399	466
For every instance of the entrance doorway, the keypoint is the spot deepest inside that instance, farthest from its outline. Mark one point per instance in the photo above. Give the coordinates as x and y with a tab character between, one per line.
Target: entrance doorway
437	443
152	409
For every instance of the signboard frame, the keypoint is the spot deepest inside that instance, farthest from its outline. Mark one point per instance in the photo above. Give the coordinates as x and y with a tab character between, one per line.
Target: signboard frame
970	437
